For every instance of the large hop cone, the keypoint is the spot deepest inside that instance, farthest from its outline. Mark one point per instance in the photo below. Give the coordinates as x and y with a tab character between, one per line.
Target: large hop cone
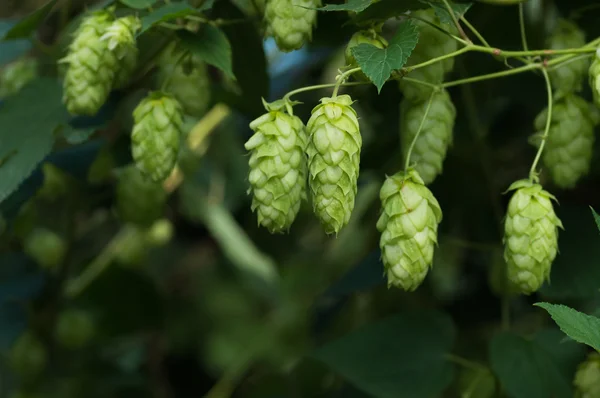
587	378
569	77
594	78
530	236
432	44
290	23
363	37
334	145
277	167
408	225
568	152
91	66
187	80
140	200
120	36
14	76
432	144
157	134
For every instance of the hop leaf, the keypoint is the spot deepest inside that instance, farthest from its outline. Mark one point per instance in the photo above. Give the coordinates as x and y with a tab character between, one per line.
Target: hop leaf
363	37
277	167
568	151
140	200
408	225
569	77
16	75
290	23
587	377
158	121
594	78
333	160
430	148
530	236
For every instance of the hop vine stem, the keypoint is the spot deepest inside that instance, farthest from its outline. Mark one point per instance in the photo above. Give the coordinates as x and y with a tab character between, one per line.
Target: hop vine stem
532	173
455	21
342	78
412	144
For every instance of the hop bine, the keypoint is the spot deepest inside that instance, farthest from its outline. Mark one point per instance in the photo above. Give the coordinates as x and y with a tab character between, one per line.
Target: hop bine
290	23
277	166
408	225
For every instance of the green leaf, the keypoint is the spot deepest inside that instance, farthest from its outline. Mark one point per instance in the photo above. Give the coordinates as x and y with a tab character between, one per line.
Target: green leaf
442	12
25	27
78	135
566	354
596	217
28	122
386	9
351	5
138	4
211	44
378	63
580	327
168	12
526	370
404	353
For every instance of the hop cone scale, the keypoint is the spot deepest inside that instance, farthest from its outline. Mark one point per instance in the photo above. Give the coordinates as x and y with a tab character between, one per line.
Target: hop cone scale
569	77
363	37
334	145
277	167
530	236
290	23
408	225
587	378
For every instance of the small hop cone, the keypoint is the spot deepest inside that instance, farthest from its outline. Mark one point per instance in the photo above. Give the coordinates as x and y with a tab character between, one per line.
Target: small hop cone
46	247
16	75
290	23
530	236
594	78
277	167
568	78
587	378
435	138
408	225
334	145
120	36
568	152
140	200
156	136
363	37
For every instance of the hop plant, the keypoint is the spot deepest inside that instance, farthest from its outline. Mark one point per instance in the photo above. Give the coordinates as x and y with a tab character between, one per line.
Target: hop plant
432	144
121	41
140	200
569	77
277	166
530	236
568	151
334	145
156	136
363	37
408	225
594	78
290	23
432	44
16	75
587	378
46	247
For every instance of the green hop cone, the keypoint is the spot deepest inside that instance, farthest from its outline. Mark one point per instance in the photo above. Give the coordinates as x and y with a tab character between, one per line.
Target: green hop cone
277	166
121	41
432	44
160	233
46	247
16	75
140	200
91	66
334	145
587	377
568	152
131	247
74	328
568	78
28	356
289	23
435	138
530	236
408	225
363	37
156	136
594	78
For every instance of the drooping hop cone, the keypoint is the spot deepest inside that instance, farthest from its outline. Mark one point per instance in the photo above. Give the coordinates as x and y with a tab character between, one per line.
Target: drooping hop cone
435	138
158	121
334	145
569	77
140	200
530	236
14	76
363	37
432	44
568	152
121	41
277	167
91	66
408	225
594	78
289	23
587	378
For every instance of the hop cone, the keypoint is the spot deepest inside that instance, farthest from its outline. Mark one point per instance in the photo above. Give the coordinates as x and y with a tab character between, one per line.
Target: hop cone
568	78
408	226
16	75
290	23
140	200
28	356
333	160
530	236
432	144
587	378
91	66
363	37
46	247
432	43
158	121
277	167
74	328
121	40
568	151
594	78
